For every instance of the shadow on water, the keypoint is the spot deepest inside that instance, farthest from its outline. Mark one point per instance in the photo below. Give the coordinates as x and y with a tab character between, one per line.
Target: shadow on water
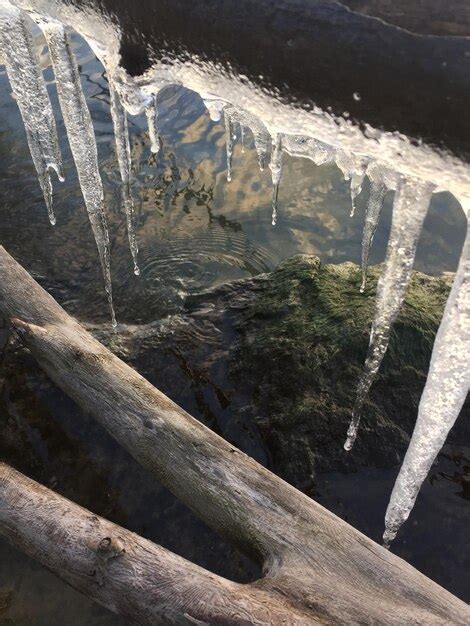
194	231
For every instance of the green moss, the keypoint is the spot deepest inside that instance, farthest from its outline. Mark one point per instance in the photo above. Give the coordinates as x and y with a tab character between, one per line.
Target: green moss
303	343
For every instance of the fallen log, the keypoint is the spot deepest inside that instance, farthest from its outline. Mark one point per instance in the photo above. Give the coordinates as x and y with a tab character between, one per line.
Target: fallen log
122	571
327	570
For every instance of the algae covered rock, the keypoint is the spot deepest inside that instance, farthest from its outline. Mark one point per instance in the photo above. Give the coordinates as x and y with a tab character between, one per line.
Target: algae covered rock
301	348
271	363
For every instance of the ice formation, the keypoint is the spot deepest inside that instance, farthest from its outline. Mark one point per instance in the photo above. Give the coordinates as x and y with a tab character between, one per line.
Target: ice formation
215	107
242	138
82	141
410	206
377	193
29	89
275	166
390	161
354	170
261	136
229	140
123	150
151	113
445	391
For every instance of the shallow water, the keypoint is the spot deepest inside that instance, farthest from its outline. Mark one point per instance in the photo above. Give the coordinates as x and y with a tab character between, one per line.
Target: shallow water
194	231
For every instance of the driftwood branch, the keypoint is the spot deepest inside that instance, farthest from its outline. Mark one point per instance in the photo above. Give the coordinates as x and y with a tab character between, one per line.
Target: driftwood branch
326	569
120	570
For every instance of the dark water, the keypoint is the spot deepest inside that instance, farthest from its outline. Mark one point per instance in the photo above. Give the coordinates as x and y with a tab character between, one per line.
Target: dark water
195	231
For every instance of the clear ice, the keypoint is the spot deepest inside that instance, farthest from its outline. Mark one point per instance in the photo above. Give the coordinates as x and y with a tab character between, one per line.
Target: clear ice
449	375
29	89
275	166
261	136
445	391
228	142
308	148
82	142
354	170
151	113
215	107
377	193
123	150
410	206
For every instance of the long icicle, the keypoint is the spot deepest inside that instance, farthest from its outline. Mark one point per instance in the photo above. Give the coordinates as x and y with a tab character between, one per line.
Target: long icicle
82	142
409	210
374	208
123	150
275	166
29	88
445	391
151	114
228	142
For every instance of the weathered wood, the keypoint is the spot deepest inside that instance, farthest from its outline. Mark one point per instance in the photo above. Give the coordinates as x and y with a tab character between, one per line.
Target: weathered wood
120	570
324	566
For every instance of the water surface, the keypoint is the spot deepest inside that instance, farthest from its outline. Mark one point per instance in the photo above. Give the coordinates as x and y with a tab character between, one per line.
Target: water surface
195	231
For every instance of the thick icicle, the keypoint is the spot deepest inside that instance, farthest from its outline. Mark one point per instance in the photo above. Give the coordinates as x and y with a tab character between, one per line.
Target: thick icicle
276	172
151	113
228	142
409	210
445	391
29	88
82	141
123	150
378	190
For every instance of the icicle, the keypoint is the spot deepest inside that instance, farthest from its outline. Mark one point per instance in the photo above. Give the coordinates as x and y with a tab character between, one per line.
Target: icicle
151	113
29	88
123	151
261	140
228	142
345	162
276	172
82	142
260	134
409	210
354	169
357	179
242	138
445	391
374	208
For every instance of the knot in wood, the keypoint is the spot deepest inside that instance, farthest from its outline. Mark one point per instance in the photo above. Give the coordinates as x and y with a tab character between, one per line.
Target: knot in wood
109	548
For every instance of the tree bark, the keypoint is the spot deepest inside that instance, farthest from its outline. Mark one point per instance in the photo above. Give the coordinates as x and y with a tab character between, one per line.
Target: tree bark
327	570
120	570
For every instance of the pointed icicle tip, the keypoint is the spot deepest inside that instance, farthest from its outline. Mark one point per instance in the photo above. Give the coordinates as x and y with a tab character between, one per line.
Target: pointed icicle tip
409	210
275	166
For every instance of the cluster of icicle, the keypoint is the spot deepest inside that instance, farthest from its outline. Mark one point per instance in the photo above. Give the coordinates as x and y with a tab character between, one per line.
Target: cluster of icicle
449	376
29	89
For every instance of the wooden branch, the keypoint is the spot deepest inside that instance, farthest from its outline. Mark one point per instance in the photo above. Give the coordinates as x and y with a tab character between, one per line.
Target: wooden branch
120	570
322	564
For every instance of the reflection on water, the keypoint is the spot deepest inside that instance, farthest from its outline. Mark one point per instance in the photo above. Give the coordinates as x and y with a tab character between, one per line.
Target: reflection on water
194	231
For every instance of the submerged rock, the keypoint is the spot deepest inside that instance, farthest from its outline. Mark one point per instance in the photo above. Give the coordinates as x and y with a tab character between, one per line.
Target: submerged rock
272	364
